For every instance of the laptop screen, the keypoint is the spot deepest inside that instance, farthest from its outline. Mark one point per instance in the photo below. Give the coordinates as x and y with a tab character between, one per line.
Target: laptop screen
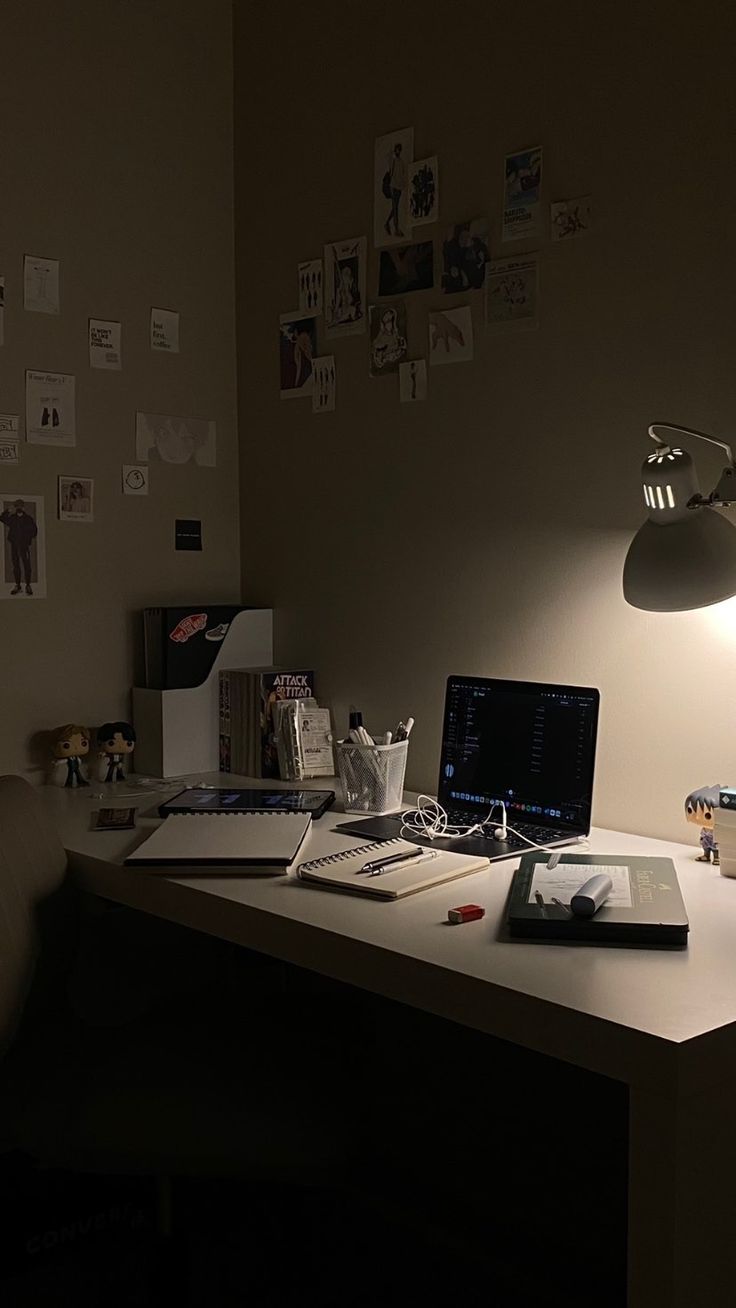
529	744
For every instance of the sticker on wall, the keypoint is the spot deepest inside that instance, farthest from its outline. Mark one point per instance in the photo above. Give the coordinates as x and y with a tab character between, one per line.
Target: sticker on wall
40	284
345	287
23	560
2	310
465	254
9	438
104	344
522	187
413	381
388	337
188	535
76	499
164	438
512	291
570	218
406	269
50	408
165	330
451	336
135	479
424	191
325	384
310	288
297	349
393	156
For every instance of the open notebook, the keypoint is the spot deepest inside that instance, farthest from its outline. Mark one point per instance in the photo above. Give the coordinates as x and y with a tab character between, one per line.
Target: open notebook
247	843
429	867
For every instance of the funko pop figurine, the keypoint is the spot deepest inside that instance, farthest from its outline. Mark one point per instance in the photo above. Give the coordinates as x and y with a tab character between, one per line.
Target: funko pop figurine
700	807
70	744
116	739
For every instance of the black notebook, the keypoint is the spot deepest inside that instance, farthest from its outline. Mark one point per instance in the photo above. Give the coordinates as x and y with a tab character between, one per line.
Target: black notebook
645	906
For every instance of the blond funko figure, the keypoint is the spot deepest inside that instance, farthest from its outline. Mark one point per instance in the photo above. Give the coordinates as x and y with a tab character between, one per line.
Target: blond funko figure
700	809
70	744
116	741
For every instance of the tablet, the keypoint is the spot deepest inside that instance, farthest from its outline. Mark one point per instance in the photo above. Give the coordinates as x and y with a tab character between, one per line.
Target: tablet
198	799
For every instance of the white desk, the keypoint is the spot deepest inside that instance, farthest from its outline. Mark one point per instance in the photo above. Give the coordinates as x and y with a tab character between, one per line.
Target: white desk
662	1022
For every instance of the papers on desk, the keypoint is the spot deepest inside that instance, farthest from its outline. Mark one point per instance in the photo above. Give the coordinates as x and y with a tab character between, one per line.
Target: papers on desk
245	843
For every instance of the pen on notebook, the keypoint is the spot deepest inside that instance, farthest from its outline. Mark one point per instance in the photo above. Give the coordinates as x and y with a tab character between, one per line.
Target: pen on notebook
378	864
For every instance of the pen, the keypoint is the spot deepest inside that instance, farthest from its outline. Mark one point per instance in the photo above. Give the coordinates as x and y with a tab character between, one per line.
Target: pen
403	731
378	864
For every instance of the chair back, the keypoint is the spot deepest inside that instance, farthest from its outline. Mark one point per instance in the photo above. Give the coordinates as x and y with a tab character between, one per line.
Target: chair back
33	911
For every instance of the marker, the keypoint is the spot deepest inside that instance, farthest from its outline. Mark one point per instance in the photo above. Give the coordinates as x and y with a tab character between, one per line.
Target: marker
387	738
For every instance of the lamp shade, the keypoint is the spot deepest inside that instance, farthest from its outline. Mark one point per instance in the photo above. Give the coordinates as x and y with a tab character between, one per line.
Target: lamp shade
679	565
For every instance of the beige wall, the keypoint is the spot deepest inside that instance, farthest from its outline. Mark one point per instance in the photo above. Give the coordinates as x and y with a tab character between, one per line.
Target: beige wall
484	531
117	160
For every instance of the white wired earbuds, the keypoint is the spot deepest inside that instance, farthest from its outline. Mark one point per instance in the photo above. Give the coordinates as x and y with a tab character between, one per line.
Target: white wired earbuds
429	819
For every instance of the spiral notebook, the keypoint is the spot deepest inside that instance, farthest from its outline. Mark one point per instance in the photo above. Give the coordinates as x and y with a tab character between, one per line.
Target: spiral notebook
429	867
248	843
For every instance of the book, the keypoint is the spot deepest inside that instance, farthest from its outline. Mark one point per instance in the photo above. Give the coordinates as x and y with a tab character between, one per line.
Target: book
645	906
250	843
246	701
430	867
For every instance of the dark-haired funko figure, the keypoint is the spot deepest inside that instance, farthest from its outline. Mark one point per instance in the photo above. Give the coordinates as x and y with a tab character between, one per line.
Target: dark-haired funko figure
116	739
700	808
70	743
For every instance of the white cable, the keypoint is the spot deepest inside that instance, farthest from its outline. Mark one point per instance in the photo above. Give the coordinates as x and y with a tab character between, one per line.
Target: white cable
429	819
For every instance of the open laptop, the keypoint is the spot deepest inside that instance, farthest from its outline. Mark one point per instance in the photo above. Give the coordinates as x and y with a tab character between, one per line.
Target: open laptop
528	743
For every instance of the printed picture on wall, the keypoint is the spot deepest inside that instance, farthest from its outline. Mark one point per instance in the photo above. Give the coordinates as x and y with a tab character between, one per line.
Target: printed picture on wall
297	349
413	381
393	156
512	291
345	311
465	253
165	438
310	288
570	218
324	389
134	478
522	187
406	269
451	336
50	408
76	499
424	191
23	574
388	337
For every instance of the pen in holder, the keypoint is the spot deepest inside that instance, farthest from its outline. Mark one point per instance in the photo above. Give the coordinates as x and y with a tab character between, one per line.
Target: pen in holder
372	776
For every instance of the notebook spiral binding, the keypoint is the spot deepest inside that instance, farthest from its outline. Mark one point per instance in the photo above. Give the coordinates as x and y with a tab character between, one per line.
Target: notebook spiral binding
348	853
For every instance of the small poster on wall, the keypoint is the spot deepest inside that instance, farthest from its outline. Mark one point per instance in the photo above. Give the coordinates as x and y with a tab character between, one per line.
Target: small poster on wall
521	195
297	350
165	330
424	192
76	499
9	438
50	408
345	309
388	337
451	336
104	344
165	438
40	284
393	157
512	291
23	558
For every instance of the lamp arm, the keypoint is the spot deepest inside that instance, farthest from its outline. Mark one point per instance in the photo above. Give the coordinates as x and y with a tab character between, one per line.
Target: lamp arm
688	431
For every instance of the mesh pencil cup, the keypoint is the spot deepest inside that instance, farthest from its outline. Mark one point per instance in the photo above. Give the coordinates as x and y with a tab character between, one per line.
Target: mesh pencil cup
372	776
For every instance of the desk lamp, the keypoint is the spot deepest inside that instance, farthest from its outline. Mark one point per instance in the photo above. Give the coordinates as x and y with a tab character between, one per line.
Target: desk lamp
684	555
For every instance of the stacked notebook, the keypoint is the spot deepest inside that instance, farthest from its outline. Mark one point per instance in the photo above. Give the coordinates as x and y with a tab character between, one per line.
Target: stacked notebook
245	843
420	869
725	831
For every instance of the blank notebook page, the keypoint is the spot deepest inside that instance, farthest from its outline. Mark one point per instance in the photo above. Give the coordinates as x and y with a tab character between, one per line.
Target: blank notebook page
265	839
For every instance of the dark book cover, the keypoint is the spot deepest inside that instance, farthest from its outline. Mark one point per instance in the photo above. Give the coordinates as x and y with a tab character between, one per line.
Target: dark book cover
278	684
645	906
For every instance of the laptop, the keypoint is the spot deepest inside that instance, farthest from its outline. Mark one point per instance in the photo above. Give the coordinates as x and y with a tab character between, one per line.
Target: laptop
529	744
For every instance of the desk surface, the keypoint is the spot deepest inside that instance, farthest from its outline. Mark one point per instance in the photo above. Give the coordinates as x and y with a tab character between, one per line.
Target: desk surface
672	998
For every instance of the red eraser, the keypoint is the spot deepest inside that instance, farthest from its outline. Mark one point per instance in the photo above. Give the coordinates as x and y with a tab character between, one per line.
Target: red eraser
466	913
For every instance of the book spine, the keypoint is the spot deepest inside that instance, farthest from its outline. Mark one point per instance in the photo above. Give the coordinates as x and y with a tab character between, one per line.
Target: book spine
225	723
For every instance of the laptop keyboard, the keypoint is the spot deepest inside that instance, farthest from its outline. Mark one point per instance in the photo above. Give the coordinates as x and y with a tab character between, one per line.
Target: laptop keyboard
537	835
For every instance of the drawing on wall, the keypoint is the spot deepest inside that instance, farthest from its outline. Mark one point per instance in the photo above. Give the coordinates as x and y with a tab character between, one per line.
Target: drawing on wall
522	187
297	349
163	438
406	269
135	479
424	191
165	330
512	291
345	287
40	284
324	389
104	344
451	336
76	499
310	287
393	156
24	550
570	218
413	381
9	438
50	410
465	254
388	337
